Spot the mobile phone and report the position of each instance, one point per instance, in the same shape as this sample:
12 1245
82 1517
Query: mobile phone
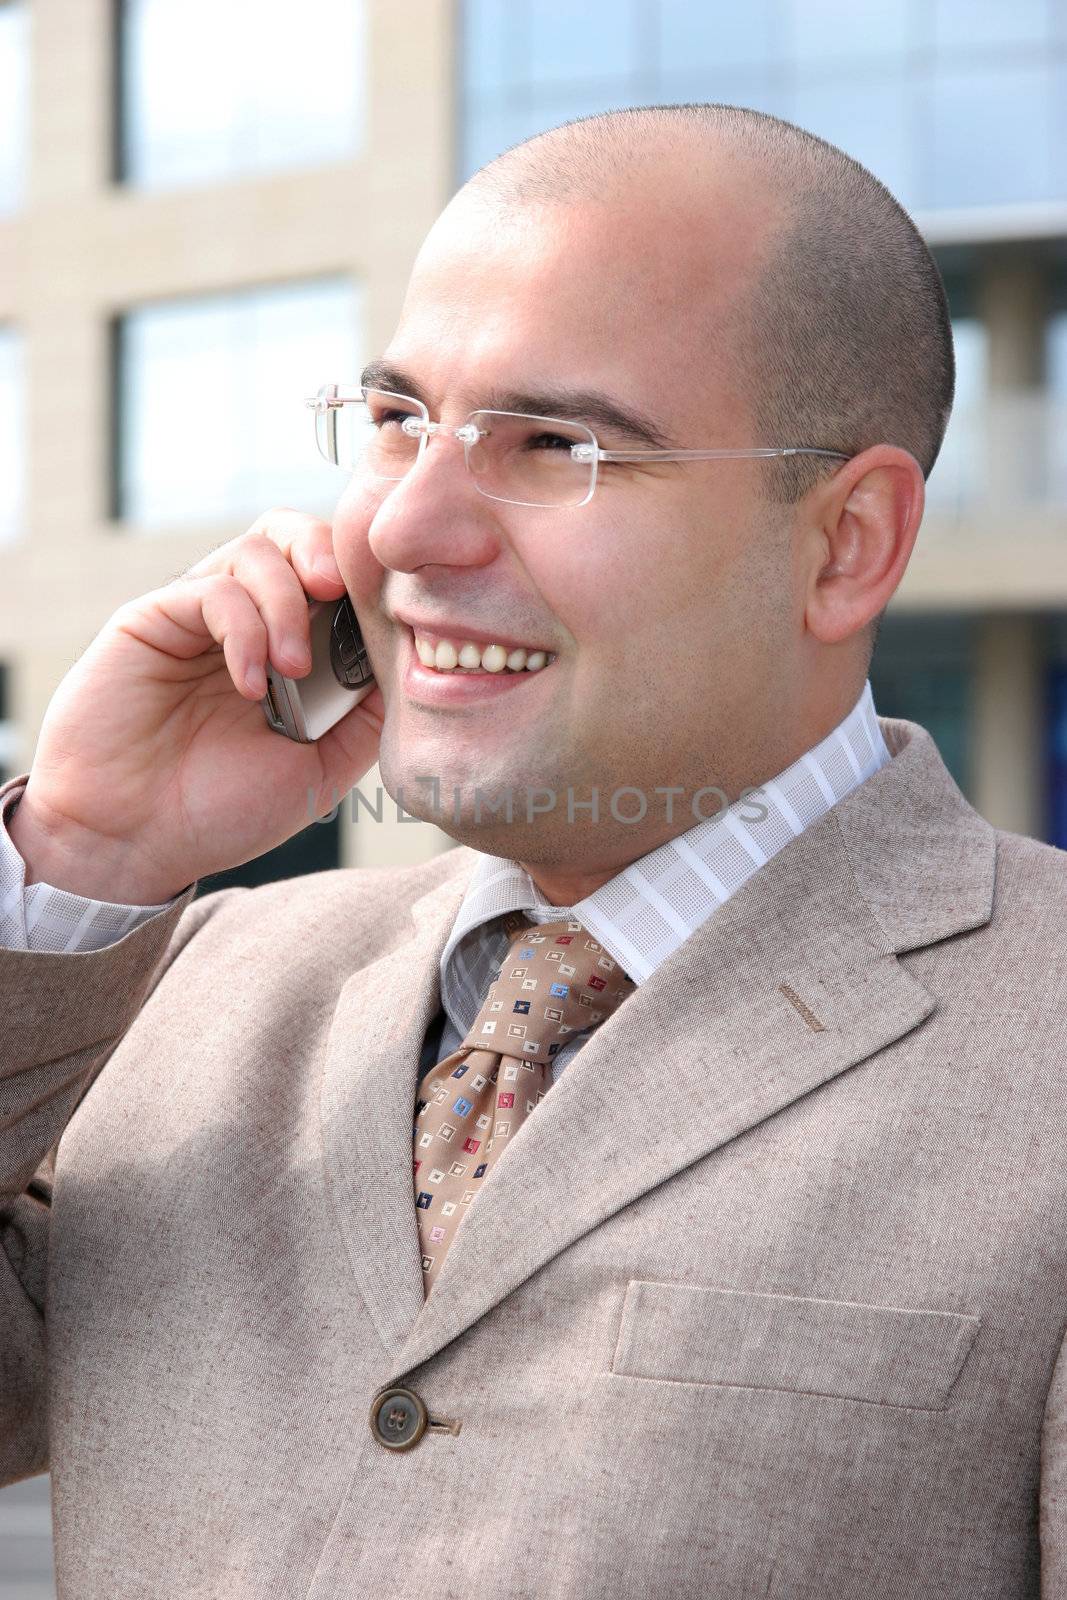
340 677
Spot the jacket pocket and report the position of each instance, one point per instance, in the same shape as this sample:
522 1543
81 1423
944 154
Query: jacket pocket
884 1355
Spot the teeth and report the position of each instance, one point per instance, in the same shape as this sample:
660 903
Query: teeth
470 657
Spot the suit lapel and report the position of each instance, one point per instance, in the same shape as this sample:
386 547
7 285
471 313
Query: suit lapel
792 982
368 1105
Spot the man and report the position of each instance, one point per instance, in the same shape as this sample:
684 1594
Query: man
753 1281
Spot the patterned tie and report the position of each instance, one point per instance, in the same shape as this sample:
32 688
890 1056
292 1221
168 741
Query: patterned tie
554 981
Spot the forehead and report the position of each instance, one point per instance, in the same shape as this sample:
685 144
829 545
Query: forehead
609 293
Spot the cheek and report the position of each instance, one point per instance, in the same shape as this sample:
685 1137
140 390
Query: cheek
624 580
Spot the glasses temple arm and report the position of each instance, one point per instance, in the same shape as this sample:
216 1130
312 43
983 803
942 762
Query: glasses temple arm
585 452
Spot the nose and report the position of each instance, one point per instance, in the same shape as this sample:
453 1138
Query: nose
435 516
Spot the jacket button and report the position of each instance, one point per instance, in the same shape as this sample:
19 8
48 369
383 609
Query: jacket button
398 1418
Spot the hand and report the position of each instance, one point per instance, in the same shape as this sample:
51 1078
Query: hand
155 764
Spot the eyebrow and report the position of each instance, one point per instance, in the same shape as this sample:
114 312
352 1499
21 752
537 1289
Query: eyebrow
573 405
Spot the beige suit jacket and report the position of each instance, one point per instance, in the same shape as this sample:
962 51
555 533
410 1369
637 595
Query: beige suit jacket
767 1299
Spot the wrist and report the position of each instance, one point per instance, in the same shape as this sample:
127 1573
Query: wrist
67 856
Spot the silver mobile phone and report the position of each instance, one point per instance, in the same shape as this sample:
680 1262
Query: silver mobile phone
340 676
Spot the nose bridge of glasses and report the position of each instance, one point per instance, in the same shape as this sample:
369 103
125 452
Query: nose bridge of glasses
421 427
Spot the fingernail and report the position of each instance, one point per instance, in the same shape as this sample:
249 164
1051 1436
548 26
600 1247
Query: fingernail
327 567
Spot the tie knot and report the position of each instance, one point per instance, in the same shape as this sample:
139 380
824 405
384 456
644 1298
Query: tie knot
555 981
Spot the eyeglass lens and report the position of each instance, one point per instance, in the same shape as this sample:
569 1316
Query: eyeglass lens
521 460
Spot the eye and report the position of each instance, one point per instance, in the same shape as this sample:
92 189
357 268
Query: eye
549 441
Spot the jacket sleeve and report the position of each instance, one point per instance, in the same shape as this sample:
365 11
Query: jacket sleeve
1053 1494
61 1018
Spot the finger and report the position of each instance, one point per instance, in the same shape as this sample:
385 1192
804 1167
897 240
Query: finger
304 540
304 545
316 566
272 581
234 620
186 619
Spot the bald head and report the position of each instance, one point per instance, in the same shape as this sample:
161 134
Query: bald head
840 336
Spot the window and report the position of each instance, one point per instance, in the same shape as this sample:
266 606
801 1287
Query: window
963 25
716 38
958 479
994 133
952 103
210 415
219 88
528 64
923 669
14 84
11 437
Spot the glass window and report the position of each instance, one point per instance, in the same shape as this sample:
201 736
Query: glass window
14 87
822 34
217 88
568 43
994 138
543 44
962 103
490 46
11 437
923 669
716 39
966 25
958 479
211 421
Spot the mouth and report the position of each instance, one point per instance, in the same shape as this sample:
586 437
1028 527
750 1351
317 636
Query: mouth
461 654
461 671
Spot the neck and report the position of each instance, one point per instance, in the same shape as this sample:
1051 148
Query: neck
562 883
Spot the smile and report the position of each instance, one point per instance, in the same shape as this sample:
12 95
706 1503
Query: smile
462 656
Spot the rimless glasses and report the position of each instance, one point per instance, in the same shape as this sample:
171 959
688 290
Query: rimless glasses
519 459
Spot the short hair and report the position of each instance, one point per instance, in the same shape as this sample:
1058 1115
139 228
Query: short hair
844 338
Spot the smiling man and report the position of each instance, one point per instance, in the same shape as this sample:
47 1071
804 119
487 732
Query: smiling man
662 1193
668 281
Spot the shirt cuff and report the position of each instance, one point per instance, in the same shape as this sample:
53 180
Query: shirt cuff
43 918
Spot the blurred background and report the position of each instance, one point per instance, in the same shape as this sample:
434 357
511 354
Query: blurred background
209 208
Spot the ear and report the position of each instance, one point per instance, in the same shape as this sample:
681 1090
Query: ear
861 529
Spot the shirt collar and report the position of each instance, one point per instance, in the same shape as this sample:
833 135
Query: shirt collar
651 907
